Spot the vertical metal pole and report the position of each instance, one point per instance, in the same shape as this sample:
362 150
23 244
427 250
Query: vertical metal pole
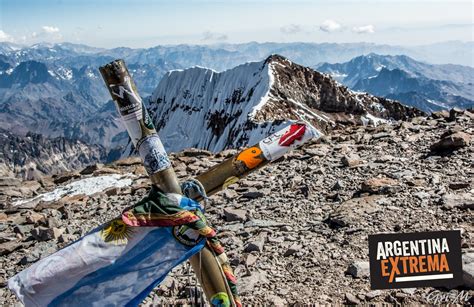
157 164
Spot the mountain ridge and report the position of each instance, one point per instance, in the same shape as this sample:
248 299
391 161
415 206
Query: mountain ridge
33 156
199 107
422 85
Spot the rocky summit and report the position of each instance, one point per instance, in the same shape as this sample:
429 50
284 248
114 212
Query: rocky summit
296 230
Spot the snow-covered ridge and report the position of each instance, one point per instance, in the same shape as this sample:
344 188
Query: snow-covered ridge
199 107
202 108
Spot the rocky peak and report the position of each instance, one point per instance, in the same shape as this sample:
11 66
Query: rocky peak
29 72
323 99
217 110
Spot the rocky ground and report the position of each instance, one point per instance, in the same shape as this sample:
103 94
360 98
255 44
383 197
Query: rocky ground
295 231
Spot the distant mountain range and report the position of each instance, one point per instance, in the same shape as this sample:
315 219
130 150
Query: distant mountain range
55 89
425 86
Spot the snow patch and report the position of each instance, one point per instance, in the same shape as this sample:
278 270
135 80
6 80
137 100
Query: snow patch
64 73
87 186
370 119
266 97
308 110
437 103
378 107
336 74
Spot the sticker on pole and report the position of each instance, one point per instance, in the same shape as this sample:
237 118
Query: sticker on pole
129 103
420 259
281 142
249 159
153 154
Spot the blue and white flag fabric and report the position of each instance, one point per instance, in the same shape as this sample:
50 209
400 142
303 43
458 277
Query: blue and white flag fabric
114 265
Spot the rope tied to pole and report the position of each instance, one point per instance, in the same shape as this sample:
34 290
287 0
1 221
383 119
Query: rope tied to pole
193 186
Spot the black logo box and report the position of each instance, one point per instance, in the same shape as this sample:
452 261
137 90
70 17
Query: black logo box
377 281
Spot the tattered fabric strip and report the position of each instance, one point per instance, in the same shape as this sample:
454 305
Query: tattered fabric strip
162 210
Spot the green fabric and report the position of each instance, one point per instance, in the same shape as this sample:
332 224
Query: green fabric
156 202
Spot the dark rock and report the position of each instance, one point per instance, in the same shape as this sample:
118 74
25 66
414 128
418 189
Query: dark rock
34 218
230 194
452 142
194 152
91 168
379 186
112 191
359 269
253 195
459 185
256 244
353 212
23 229
8 247
232 215
53 222
351 299
106 171
351 161
454 113
46 234
29 258
440 114
292 250
66 177
128 161
338 185
373 294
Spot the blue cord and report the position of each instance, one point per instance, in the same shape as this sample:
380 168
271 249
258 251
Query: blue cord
192 185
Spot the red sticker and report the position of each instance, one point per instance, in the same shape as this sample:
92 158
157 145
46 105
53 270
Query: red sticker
295 133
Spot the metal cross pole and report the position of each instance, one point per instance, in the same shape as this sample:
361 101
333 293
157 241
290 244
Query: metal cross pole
157 164
252 158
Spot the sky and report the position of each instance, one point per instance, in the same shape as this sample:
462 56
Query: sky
146 23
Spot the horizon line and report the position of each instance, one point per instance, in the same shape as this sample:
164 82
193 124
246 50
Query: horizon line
216 44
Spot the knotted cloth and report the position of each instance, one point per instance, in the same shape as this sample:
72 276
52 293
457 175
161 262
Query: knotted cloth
166 209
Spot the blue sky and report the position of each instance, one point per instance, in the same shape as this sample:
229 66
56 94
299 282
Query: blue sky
145 23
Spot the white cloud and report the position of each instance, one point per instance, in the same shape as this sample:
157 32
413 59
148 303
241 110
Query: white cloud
364 29
50 29
4 37
330 26
213 36
291 29
47 33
